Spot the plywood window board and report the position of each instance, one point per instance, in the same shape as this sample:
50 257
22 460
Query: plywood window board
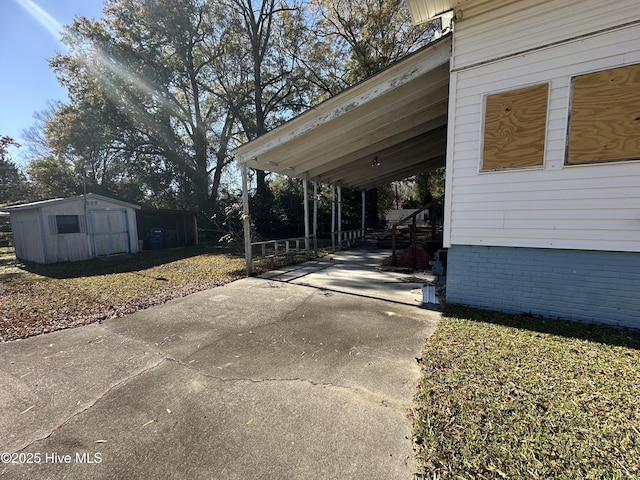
604 124
514 128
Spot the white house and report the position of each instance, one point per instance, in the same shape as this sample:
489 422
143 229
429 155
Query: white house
74 228
534 107
542 207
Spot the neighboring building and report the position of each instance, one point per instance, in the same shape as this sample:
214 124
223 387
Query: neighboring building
539 104
72 229
391 217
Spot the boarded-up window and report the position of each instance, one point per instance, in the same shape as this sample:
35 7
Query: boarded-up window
514 128
605 116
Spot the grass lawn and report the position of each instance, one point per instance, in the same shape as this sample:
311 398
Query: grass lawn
37 298
518 397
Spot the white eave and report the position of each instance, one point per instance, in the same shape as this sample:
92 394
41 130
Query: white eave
424 10
389 127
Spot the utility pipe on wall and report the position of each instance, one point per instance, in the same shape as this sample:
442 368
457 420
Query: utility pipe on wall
339 216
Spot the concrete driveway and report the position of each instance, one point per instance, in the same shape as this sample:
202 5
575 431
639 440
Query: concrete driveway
265 378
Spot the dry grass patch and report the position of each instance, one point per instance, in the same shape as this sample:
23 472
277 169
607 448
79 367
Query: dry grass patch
36 299
515 397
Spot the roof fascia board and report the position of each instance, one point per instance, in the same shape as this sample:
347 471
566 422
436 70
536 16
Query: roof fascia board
362 134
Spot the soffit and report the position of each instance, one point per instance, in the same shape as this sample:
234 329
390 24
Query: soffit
424 10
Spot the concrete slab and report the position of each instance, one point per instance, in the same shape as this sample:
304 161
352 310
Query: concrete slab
262 378
357 272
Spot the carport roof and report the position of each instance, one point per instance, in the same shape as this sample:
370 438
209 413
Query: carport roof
386 128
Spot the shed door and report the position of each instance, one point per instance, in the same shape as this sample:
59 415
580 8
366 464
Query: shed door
109 231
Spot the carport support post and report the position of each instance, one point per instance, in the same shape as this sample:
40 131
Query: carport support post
315 217
333 217
339 216
363 213
307 245
246 220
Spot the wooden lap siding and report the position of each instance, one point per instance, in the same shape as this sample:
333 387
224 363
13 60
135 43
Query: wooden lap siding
590 206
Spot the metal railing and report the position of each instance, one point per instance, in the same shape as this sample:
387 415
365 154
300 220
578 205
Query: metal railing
282 247
272 249
347 238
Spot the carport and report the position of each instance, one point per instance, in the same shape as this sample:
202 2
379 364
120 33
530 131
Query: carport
386 128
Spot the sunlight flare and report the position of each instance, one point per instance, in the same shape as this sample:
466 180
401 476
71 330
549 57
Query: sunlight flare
42 17
104 63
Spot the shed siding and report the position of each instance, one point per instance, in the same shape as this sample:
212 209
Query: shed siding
25 226
586 207
69 247
590 286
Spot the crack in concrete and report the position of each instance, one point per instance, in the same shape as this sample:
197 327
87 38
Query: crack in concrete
95 402
360 392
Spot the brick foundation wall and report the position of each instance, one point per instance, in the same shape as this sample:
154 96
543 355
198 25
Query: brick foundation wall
589 286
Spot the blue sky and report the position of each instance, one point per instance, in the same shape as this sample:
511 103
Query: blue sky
28 38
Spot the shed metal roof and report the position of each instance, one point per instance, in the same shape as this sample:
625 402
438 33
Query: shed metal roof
386 128
53 201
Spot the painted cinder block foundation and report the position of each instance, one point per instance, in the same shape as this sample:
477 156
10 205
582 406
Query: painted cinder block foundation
589 286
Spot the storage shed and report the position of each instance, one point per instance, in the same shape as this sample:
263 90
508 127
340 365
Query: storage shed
73 229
